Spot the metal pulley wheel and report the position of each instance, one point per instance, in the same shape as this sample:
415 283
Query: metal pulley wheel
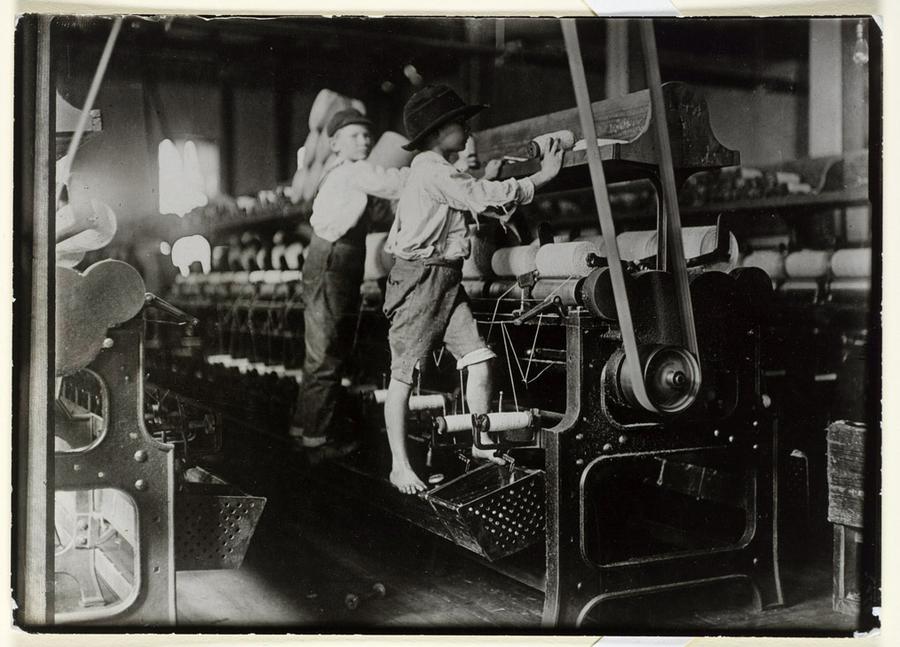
659 381
671 377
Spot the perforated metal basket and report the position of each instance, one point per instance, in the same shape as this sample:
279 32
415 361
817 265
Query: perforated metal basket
492 510
214 523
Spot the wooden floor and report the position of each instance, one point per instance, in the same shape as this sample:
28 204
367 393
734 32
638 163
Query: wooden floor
311 550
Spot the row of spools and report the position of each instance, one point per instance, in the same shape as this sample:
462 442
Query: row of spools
572 259
566 259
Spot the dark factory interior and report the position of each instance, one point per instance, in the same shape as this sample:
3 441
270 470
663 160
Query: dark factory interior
668 422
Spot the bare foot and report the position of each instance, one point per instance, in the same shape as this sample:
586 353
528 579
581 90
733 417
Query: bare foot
486 454
404 479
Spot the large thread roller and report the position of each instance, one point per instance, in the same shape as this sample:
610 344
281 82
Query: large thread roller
549 288
514 261
808 264
562 260
416 402
489 422
478 264
453 424
635 245
769 260
508 288
696 241
852 263
852 270
505 421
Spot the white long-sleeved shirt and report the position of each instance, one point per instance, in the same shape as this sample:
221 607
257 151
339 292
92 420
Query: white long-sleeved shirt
344 191
430 218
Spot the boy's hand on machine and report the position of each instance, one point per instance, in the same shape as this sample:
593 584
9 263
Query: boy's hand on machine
492 169
551 162
404 479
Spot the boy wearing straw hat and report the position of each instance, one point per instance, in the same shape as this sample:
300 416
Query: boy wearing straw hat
333 273
424 300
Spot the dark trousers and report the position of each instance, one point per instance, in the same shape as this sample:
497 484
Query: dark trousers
332 274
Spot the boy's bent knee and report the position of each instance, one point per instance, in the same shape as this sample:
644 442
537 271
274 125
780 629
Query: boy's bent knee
476 358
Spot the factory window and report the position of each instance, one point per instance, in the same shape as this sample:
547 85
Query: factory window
188 174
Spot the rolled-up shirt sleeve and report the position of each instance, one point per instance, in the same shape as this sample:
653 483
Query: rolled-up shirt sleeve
377 181
482 197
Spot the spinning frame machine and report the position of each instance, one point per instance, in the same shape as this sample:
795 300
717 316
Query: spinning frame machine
650 398
658 360
130 507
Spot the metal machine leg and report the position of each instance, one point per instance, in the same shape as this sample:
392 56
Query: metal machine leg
127 459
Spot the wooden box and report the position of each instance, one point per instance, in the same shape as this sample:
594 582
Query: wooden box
846 472
846 497
847 575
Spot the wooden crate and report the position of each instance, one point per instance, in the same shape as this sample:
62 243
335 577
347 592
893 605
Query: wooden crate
846 497
847 575
846 473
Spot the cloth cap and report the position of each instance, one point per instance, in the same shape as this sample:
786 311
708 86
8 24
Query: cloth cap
346 117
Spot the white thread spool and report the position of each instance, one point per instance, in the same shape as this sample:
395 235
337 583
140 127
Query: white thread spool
378 263
768 260
696 241
509 421
318 113
852 263
539 145
454 423
426 402
328 102
514 261
635 245
562 260
309 148
261 257
277 257
416 402
292 255
388 152
807 264
322 150
549 288
595 239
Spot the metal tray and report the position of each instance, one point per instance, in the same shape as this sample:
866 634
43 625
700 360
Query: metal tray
214 523
492 510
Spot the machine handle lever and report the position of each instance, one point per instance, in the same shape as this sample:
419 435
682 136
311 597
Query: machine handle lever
467 460
556 304
151 299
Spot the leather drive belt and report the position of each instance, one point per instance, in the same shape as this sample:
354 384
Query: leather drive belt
607 225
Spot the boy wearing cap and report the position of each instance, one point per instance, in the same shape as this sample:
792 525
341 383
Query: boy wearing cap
333 271
424 300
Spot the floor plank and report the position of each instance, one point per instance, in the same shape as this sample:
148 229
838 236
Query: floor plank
313 548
